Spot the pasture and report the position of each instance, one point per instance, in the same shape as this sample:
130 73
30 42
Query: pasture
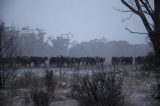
138 85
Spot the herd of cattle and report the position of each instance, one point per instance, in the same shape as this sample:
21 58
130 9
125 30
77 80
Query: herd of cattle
61 61
130 60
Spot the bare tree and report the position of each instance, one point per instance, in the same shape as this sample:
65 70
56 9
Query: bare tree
149 12
7 50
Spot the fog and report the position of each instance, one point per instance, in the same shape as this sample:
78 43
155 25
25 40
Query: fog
73 28
85 19
79 53
32 42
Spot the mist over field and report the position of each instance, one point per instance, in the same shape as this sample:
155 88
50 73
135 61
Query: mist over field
79 52
86 20
33 43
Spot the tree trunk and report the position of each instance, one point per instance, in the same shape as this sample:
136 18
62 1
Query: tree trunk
1 30
155 37
157 16
157 47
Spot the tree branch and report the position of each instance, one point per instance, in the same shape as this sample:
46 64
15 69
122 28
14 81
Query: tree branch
130 7
149 11
139 12
142 33
127 18
121 10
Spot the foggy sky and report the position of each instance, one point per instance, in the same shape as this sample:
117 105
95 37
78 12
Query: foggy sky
85 19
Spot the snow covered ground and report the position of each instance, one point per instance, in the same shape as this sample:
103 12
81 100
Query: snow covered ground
138 85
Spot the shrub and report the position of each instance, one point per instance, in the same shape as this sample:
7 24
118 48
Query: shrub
29 77
40 97
151 62
26 80
2 99
26 98
98 89
50 81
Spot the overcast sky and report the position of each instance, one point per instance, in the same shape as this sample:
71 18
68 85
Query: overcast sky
85 19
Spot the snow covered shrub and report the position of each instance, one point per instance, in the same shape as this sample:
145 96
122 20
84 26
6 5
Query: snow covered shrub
40 97
50 81
26 98
98 89
24 81
28 77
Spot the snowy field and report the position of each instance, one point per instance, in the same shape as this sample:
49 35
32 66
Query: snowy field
138 85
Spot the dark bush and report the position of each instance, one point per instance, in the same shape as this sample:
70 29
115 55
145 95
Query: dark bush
2 99
26 98
50 81
26 80
40 97
151 62
98 89
29 78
